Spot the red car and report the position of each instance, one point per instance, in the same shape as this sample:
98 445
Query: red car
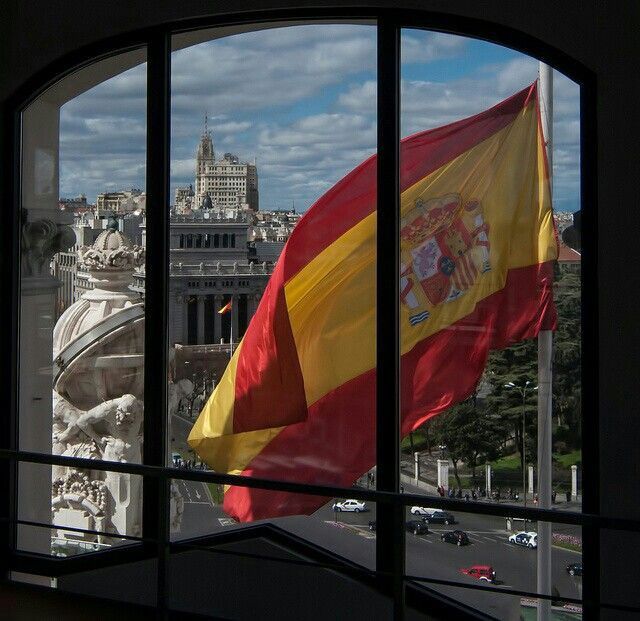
480 572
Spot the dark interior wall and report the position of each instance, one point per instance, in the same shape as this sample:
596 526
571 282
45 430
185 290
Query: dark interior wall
600 34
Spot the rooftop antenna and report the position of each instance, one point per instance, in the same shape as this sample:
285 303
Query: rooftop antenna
206 126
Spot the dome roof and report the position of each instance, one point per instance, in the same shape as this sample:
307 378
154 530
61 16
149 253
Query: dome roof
111 238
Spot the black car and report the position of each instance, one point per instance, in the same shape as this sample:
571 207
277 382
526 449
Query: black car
417 527
574 569
458 537
439 517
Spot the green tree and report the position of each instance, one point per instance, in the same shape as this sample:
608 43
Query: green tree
567 355
470 433
517 364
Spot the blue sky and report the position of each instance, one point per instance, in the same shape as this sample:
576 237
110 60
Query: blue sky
301 100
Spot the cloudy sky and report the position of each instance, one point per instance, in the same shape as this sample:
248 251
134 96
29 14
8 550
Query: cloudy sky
301 101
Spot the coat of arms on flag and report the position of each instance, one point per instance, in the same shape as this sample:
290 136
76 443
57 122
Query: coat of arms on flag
445 247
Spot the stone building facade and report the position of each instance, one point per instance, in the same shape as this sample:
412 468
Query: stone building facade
220 183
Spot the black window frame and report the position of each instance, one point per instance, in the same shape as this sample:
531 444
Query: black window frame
390 571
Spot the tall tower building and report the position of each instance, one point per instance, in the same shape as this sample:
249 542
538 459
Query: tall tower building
223 183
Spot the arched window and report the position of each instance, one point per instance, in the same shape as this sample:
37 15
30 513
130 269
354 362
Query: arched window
435 285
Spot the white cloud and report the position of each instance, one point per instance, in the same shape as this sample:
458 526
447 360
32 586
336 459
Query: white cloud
422 46
300 99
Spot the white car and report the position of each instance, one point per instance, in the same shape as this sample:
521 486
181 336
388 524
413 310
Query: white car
434 515
349 505
523 538
421 511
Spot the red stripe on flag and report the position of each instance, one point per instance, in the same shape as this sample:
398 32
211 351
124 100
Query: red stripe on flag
354 197
269 389
336 444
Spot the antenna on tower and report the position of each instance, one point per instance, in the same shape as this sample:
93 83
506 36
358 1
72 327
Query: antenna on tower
206 125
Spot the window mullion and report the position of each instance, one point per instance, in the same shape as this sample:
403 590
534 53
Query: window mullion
390 516
155 495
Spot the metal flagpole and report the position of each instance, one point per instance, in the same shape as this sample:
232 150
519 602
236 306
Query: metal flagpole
545 348
231 330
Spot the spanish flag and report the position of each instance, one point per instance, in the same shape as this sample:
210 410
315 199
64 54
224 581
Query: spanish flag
297 400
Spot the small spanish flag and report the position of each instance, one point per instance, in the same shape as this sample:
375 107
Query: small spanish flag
225 309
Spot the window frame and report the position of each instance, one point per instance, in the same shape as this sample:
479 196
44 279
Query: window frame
390 531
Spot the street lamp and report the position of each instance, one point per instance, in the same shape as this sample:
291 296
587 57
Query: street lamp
523 391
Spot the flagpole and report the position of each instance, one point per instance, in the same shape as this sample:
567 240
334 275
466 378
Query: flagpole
231 332
545 376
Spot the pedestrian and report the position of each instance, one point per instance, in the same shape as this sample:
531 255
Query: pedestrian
553 496
466 497
568 496
402 489
535 499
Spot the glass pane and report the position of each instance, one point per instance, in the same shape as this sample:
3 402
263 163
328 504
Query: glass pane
344 526
272 285
493 550
80 500
483 275
282 550
81 323
500 605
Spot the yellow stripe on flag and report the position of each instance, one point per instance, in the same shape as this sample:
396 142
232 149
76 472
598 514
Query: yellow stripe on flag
331 301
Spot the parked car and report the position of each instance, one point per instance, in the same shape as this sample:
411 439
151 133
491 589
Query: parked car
480 572
434 516
417 527
574 569
524 538
349 505
458 537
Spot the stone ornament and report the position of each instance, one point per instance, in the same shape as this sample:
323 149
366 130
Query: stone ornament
112 251
77 486
40 241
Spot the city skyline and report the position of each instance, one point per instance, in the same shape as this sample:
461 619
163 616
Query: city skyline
319 121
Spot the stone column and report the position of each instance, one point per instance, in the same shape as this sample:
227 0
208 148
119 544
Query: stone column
37 304
217 321
201 319
235 303
574 482
443 473
252 305
530 478
185 318
176 319
487 477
